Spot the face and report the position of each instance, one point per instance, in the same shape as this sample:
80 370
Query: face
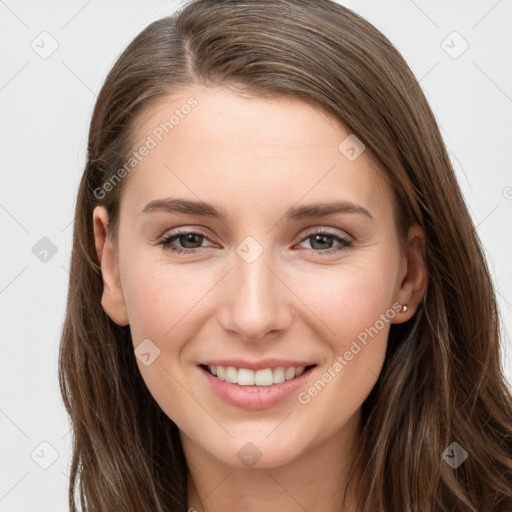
225 258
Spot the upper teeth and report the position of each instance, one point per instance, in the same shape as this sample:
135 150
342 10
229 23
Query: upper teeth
246 377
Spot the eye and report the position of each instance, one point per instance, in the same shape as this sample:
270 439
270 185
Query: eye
190 241
321 242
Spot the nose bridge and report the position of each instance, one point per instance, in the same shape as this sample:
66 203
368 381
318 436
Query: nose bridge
257 301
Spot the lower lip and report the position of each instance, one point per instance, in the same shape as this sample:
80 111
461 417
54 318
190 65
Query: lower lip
255 397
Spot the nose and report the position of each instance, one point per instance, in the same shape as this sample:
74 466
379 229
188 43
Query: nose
257 299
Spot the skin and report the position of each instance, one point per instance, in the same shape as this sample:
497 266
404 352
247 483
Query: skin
255 159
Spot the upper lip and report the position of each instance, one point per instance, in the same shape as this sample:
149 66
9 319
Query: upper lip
258 365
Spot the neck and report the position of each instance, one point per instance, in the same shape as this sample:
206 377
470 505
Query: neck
314 481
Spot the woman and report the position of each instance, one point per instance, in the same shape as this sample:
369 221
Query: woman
278 299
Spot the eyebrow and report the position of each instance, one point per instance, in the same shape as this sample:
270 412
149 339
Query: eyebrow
188 207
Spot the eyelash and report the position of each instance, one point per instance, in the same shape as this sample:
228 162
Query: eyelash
167 241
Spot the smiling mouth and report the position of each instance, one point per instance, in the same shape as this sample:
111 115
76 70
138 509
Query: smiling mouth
264 377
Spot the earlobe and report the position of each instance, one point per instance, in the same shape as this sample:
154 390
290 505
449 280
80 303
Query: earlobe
414 283
112 299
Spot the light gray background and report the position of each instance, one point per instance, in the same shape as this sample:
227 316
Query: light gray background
46 105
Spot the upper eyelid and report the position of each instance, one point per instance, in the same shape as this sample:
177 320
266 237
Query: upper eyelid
308 232
181 232
327 231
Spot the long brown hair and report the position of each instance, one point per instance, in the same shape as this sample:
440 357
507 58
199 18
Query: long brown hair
441 382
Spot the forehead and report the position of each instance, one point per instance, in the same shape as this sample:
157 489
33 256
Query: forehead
212 141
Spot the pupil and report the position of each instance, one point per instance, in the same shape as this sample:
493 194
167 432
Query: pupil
317 239
323 240
190 239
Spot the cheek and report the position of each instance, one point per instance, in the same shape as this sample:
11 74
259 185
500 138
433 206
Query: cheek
354 305
350 297
161 299
165 303
363 298
339 307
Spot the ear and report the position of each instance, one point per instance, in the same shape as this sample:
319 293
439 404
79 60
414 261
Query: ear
413 274
112 298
